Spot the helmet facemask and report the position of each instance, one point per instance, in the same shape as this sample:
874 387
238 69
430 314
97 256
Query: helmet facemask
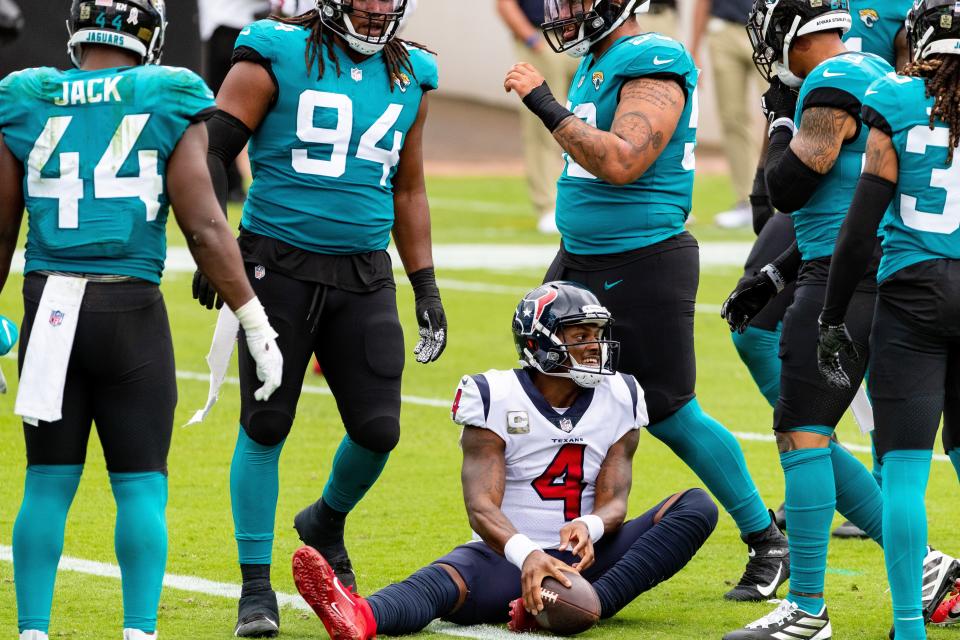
574 26
380 27
773 25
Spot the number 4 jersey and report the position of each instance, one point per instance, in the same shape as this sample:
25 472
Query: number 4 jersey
95 147
924 220
552 457
325 155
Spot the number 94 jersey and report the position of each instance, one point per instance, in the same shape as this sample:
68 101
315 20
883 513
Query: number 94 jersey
552 457
324 157
596 217
95 147
924 221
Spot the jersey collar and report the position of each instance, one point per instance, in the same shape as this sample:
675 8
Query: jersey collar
571 415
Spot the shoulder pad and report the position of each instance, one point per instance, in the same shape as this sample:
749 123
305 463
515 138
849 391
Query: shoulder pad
653 53
471 403
425 68
182 91
266 38
894 103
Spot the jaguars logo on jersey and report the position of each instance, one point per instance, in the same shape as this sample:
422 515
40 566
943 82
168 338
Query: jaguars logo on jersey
869 17
597 80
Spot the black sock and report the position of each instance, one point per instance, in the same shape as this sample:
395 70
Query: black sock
256 578
409 606
659 553
323 525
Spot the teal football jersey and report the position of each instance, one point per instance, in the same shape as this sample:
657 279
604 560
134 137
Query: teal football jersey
325 155
844 78
596 217
924 220
95 147
876 24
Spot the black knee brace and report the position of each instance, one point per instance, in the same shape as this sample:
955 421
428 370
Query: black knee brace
381 434
268 427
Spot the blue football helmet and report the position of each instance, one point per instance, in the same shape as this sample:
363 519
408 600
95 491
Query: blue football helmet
538 322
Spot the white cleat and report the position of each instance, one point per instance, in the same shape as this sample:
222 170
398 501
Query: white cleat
136 634
786 622
33 634
548 223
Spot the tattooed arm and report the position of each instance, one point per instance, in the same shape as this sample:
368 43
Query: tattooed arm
646 119
822 133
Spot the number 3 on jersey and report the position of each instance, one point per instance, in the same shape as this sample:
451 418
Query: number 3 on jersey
563 479
340 137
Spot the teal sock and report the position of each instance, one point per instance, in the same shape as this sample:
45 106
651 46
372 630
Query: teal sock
905 475
858 495
355 470
140 540
254 488
810 503
760 351
955 459
48 491
716 457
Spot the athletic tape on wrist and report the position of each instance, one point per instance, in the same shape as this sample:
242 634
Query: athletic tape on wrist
782 122
775 276
252 316
517 549
594 526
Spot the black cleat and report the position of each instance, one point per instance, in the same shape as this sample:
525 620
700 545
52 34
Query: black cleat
786 622
850 530
258 615
767 568
327 538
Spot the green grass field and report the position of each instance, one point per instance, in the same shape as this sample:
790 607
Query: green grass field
415 513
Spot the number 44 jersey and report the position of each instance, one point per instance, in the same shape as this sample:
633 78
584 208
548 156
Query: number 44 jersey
553 457
924 221
325 155
95 147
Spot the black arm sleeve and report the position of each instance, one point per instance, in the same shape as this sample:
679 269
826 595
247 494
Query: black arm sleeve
788 263
855 244
760 201
790 181
228 135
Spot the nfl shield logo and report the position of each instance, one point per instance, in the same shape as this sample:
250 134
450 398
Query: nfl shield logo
566 425
56 318
259 272
356 74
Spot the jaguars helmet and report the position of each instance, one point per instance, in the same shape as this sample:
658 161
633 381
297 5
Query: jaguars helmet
11 21
574 26
933 26
134 25
774 24
381 27
537 325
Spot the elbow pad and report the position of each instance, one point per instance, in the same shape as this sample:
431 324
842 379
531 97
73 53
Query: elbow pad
791 182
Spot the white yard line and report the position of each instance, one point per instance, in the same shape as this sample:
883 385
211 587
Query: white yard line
487 257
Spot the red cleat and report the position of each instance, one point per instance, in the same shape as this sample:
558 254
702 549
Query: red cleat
317 369
520 619
948 612
345 615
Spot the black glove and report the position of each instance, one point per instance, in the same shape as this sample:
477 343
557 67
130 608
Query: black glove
833 340
750 297
204 292
430 316
780 101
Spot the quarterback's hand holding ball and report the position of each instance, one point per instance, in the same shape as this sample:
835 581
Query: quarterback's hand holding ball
537 566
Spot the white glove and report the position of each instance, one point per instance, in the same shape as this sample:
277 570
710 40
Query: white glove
262 342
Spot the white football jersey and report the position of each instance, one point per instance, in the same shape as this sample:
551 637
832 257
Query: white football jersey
552 457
